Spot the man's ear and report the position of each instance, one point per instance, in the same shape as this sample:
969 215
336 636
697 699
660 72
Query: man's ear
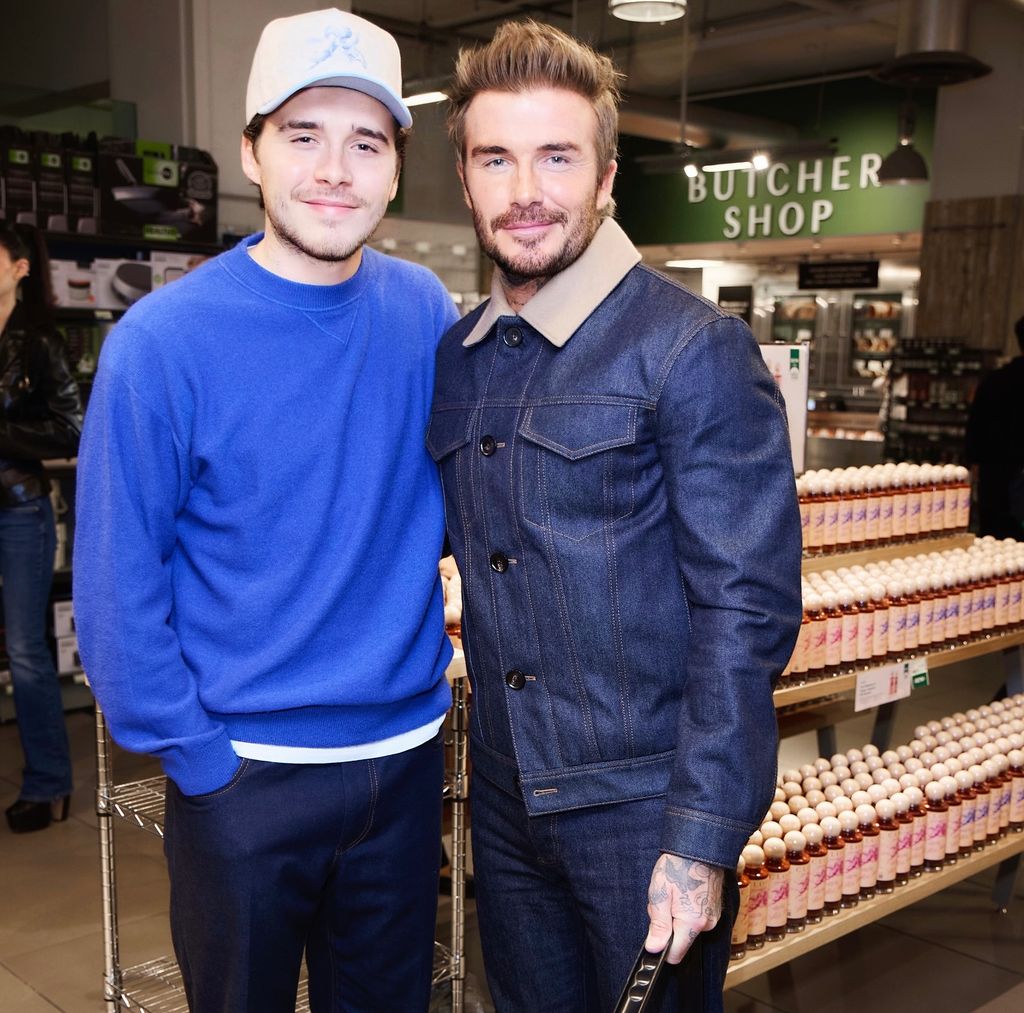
604 187
250 165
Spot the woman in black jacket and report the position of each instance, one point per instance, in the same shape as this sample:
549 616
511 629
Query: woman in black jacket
40 417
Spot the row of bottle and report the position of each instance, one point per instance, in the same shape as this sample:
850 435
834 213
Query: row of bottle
863 616
809 862
843 509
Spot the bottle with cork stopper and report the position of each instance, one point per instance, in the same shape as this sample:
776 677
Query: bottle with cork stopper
833 632
888 845
897 619
968 804
836 847
935 827
1016 758
865 813
917 845
983 799
799 880
817 853
777 867
817 636
851 626
954 815
757 895
741 926
853 849
904 841
880 638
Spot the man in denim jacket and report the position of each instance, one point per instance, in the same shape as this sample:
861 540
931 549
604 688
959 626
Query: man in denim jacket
622 508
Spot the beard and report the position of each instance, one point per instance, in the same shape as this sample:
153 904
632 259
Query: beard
529 263
336 245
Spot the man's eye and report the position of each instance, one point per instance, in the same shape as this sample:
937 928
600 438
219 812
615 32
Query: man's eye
303 139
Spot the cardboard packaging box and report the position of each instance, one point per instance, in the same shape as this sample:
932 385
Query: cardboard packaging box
168 266
73 284
17 179
153 190
117 284
63 619
68 659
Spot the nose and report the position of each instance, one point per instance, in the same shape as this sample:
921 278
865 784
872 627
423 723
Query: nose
332 168
526 186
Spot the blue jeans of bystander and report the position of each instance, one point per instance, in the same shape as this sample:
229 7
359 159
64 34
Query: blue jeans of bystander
26 564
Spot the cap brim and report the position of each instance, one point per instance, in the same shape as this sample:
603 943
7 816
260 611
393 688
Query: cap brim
367 85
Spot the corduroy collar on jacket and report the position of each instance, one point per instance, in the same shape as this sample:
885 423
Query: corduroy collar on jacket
567 300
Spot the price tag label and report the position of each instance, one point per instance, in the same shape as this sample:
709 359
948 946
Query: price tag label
884 684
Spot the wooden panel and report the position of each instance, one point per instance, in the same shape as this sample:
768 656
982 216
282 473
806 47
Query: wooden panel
972 270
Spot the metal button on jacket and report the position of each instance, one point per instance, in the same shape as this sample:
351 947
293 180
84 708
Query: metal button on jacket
513 337
499 562
488 445
515 679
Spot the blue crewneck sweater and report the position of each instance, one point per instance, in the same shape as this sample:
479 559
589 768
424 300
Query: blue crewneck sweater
259 522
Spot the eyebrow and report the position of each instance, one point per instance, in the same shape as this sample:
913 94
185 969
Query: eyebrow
369 132
497 149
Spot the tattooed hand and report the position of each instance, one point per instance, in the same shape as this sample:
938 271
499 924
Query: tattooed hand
685 897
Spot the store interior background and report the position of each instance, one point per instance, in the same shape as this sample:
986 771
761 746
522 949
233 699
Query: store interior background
951 267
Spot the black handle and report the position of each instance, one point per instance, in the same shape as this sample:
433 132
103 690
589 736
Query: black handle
636 996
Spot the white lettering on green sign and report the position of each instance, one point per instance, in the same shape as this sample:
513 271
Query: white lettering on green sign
779 180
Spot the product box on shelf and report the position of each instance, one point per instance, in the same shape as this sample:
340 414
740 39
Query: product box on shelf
117 284
68 660
17 180
48 170
72 284
80 184
154 190
169 266
63 618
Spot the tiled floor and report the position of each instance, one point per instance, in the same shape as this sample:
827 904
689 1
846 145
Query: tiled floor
951 952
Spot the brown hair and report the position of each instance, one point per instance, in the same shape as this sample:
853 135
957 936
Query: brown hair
525 55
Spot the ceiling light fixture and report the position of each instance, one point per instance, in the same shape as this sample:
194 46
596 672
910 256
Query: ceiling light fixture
693 264
904 165
425 98
648 11
726 166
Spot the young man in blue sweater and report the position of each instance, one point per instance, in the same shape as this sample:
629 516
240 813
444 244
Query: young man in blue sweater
256 583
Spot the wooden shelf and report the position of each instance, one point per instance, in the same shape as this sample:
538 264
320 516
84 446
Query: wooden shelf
892 550
867 911
846 683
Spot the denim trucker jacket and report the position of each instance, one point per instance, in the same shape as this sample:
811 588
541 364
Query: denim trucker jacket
621 505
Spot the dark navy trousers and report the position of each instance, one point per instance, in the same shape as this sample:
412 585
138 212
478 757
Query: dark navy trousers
337 862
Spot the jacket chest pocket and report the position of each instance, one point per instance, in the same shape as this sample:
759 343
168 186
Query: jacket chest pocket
448 435
578 464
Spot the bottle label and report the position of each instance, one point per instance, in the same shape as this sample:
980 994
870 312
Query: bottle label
981 816
1004 809
881 635
994 805
869 861
799 884
1002 604
899 517
918 843
757 906
967 810
905 837
741 926
935 843
819 635
831 522
778 899
1017 806
885 518
834 643
851 868
966 608
953 829
887 849
819 875
816 526
851 628
865 635
927 621
834 876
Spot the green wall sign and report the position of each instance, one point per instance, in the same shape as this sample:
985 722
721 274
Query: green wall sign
805 197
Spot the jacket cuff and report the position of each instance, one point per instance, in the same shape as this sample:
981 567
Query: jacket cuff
703 837
203 767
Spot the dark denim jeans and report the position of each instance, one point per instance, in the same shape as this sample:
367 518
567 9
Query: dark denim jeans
26 564
562 906
339 861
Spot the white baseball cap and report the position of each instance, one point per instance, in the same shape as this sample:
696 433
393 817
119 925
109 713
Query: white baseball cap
332 48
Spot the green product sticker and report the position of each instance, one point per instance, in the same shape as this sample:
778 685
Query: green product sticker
159 172
919 680
81 164
18 156
49 160
161 232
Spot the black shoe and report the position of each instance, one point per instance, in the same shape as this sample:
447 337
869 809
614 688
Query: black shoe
25 817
